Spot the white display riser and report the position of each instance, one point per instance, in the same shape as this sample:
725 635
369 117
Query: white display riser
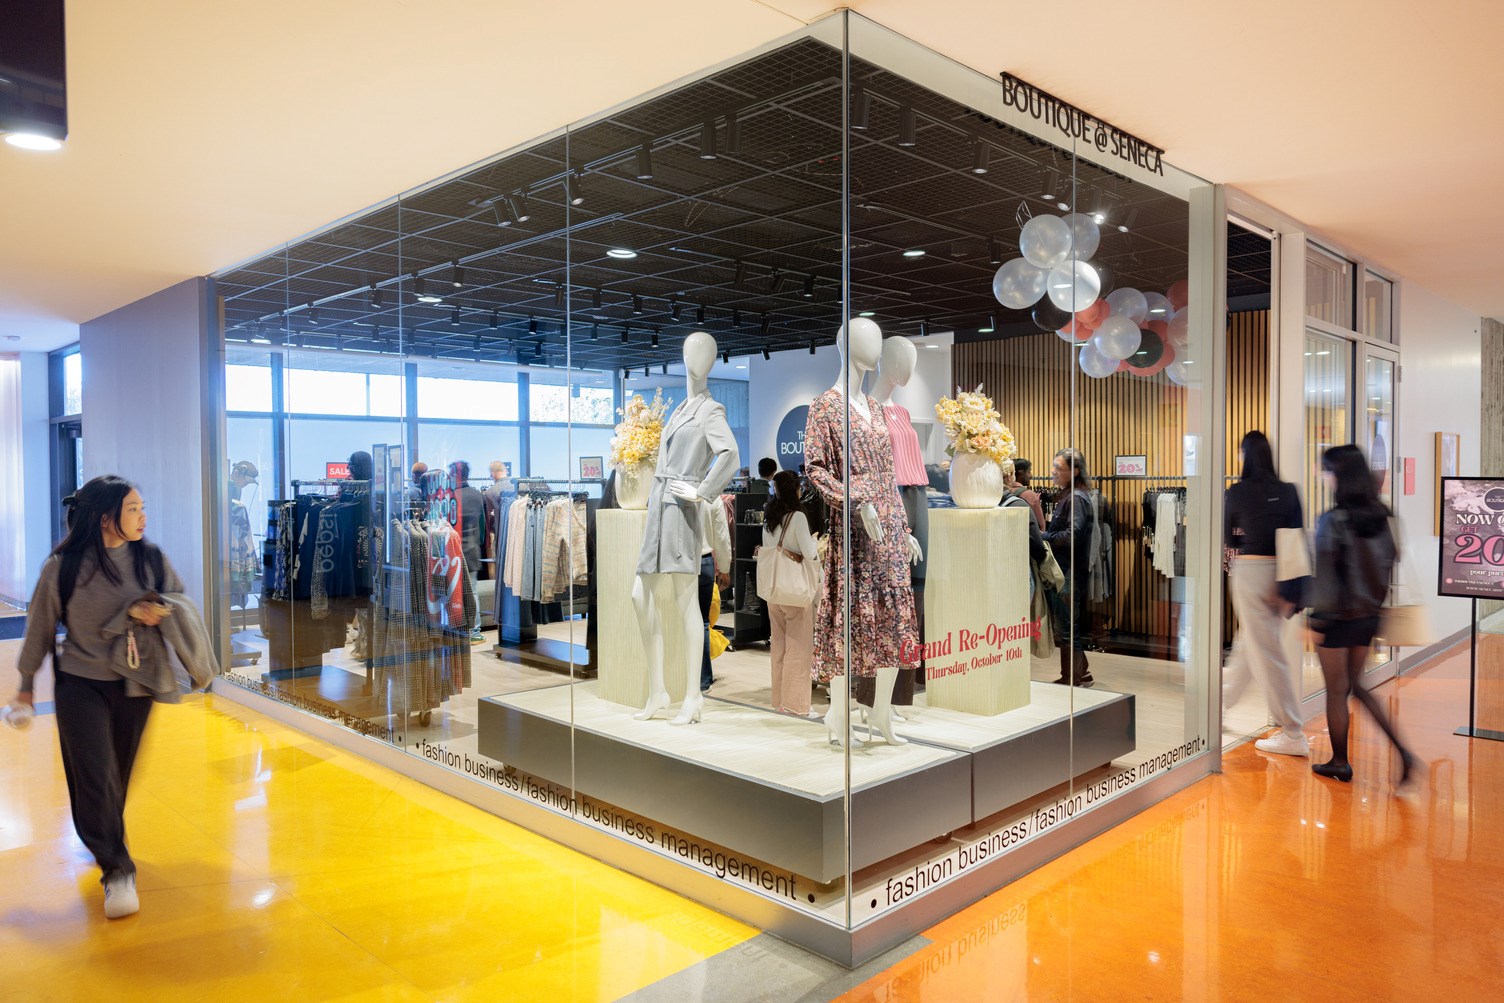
622 672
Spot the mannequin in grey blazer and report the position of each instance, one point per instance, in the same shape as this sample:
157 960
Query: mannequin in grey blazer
698 448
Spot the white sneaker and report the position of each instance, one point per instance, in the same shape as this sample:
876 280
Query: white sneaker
1283 744
120 897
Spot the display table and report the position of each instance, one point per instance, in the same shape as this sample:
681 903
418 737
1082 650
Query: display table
623 672
976 591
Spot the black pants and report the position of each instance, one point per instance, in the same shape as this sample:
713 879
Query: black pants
99 729
707 586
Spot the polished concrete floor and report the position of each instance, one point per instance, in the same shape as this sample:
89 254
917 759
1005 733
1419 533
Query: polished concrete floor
275 867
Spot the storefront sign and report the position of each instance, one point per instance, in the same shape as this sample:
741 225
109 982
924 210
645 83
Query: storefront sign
337 471
1472 537
1077 125
791 438
1131 466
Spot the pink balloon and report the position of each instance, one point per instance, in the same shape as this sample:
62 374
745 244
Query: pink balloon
1124 367
1164 360
1096 313
1160 328
1179 294
1075 329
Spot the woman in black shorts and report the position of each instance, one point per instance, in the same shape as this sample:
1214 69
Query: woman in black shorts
1355 554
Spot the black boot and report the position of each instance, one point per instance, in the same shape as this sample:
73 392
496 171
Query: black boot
1081 674
1065 666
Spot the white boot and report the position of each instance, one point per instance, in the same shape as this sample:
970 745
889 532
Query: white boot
881 715
838 718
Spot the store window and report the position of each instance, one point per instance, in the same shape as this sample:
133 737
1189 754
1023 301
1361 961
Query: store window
1329 287
518 522
1378 307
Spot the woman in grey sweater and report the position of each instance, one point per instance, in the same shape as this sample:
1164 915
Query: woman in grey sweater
103 567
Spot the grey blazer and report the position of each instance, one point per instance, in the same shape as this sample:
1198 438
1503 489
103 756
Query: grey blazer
698 447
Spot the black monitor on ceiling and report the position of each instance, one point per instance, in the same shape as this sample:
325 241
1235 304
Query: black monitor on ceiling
33 68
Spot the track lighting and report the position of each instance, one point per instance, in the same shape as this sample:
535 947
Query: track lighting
518 204
733 134
861 107
376 297
1127 223
626 333
741 276
1051 185
313 316
574 188
809 286
644 162
700 314
538 350
767 356
908 127
981 154
766 324
736 317
532 325
664 369
495 319
989 326
458 281
655 339
924 329
812 346
595 298
726 358
775 280
420 286
559 296
707 140
646 372
595 331
454 317
994 252
673 308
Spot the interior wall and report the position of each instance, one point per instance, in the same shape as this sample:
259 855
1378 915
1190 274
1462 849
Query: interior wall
12 510
147 396
36 456
1491 459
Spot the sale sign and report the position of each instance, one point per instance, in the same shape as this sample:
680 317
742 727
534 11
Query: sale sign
1472 537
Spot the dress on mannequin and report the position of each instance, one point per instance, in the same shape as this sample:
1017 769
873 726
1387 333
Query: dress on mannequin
882 597
697 447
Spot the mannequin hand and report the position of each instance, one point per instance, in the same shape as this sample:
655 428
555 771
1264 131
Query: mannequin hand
871 522
683 490
916 552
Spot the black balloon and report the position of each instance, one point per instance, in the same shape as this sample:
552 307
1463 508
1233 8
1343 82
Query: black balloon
1104 273
1049 317
1150 350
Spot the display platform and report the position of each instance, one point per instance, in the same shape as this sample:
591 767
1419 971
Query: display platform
1021 753
763 784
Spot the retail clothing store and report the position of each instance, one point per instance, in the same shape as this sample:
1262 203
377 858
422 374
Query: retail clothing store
490 507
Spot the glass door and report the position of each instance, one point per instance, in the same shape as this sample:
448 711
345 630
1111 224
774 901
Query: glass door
1379 442
1328 396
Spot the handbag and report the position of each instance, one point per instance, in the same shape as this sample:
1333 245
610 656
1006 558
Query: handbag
1042 645
719 642
786 578
1403 622
1292 566
1050 571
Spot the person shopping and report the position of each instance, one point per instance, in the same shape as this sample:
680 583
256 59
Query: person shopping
1069 536
1258 506
792 639
1355 555
107 585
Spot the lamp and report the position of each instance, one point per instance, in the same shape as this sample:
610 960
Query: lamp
908 127
707 140
644 162
981 155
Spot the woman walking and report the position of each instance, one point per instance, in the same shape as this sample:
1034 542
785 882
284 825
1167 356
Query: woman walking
1258 506
1069 536
106 585
1355 555
785 524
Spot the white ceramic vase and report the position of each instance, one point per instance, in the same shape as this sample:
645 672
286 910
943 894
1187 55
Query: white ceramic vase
976 481
633 484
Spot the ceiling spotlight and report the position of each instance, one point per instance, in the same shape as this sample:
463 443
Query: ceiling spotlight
574 188
733 134
595 298
664 369
700 314
376 297
907 127
766 324
622 253
736 317
867 313
861 107
981 155
707 140
1063 206
989 326
626 333
1051 183
33 141
532 325
646 372
741 276
809 286
636 304
644 162
655 337
454 317
595 331
994 252
538 350
674 309
518 204
559 296
775 280
376 329
475 347
424 296
924 329
812 346
767 356
495 319
313 316
1127 224
459 276
726 359
913 253
1099 218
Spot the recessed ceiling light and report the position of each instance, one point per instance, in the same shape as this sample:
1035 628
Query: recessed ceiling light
867 313
621 252
741 365
1099 218
914 253
33 141
932 348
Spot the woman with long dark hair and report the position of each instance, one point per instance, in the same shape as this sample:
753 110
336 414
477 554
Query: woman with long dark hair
792 642
102 575
1258 506
1355 555
1069 536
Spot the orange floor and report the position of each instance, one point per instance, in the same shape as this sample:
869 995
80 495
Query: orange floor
1265 883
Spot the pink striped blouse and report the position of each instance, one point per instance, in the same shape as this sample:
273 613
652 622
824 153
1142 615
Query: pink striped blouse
908 464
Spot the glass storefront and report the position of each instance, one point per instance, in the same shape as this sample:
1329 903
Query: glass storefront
494 491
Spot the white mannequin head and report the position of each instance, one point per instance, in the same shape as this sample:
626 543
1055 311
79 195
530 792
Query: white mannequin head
866 344
699 355
899 358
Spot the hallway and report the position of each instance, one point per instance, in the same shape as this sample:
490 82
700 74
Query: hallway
274 866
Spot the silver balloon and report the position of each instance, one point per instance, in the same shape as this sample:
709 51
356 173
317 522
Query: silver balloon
1117 338
1018 285
1129 302
1073 286
1095 364
1045 241
1176 372
1179 327
1086 236
1159 307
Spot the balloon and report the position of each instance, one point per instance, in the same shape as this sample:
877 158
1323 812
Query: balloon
1086 236
1123 366
1164 360
1179 294
1048 317
1106 277
1179 328
1159 307
1095 314
1117 338
1075 332
1073 285
1176 372
1129 302
1095 364
1150 352
1045 241
1018 285
1159 327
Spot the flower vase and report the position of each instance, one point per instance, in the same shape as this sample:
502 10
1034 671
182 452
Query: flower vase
976 481
633 482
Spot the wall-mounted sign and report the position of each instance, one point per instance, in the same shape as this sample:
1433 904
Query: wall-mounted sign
790 442
1075 124
1130 466
337 471
1472 538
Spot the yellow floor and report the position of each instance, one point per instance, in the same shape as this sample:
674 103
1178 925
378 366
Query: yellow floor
274 867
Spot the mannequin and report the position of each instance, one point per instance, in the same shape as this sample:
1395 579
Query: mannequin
882 601
696 458
899 359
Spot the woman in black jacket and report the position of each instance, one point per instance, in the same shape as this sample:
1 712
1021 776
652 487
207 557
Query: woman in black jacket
1355 555
1069 536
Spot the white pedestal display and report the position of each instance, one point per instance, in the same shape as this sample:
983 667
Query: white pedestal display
976 610
623 671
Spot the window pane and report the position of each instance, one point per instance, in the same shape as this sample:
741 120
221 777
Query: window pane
248 388
440 397
386 394
1378 307
1328 287
73 384
312 391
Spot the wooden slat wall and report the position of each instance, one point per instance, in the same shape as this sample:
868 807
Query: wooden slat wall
1030 380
